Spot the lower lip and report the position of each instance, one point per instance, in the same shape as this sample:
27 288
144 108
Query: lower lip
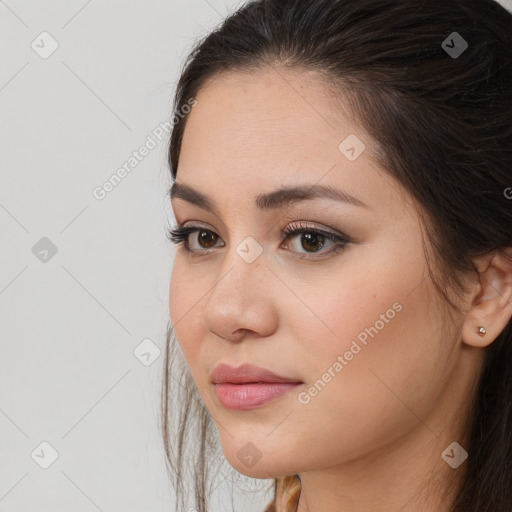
252 395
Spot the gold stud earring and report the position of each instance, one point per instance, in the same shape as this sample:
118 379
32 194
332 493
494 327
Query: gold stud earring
481 331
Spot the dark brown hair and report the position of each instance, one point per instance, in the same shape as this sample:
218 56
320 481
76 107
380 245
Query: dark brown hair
443 126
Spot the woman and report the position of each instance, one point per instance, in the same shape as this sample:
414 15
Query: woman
342 188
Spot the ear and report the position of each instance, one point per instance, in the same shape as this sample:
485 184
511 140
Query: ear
491 305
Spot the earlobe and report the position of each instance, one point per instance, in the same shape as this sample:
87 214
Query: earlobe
491 308
481 331
477 335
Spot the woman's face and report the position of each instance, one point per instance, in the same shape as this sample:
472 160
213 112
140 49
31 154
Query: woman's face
359 328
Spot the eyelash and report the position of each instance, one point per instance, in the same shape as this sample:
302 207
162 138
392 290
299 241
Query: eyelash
179 234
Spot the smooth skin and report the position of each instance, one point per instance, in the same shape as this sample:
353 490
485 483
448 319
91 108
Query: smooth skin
372 438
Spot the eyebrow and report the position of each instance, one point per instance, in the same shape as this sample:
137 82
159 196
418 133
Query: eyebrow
271 200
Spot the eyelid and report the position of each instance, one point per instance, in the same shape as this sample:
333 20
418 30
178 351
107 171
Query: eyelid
290 227
180 234
298 225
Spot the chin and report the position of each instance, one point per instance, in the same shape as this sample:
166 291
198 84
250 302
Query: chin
254 462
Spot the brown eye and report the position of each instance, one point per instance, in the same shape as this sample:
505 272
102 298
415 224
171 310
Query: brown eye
310 241
207 239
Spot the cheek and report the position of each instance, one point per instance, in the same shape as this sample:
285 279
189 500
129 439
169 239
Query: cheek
350 310
184 309
383 360
375 305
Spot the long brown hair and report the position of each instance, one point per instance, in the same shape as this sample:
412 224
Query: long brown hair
443 125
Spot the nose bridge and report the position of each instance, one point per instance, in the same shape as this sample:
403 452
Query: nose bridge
240 275
239 298
243 261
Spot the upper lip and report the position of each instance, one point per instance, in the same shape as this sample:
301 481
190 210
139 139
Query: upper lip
245 373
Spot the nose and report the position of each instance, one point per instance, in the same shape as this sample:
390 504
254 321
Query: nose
241 301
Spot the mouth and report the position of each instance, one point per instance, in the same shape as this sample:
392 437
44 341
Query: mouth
248 386
250 395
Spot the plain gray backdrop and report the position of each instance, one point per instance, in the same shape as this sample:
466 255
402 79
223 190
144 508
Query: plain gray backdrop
85 269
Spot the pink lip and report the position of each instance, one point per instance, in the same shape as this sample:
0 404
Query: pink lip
249 396
245 373
248 386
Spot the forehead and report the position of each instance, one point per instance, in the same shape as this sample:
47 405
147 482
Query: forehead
250 133
274 107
